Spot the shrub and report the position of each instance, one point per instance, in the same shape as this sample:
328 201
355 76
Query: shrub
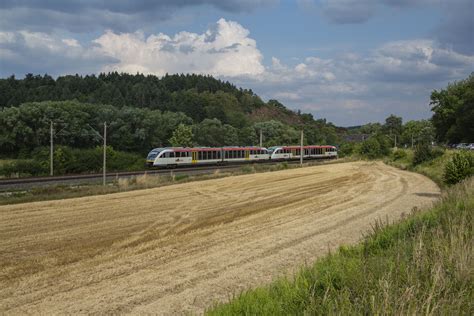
422 153
460 167
374 147
346 149
399 154
437 152
71 160
24 167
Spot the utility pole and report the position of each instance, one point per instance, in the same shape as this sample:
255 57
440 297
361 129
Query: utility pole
51 133
395 140
301 149
261 138
104 176
104 138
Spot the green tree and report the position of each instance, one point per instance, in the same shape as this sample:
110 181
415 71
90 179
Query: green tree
182 136
393 125
453 111
415 132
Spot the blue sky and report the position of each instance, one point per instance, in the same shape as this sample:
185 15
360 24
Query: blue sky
349 61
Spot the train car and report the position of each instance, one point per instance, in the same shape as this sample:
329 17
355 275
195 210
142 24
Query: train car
178 156
245 154
293 152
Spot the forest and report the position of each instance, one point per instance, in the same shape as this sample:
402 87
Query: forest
142 112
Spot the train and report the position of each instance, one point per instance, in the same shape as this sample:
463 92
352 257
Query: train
171 157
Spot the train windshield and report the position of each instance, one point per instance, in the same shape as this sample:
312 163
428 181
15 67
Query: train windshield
271 150
155 152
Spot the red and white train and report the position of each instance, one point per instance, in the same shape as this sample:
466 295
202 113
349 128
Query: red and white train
178 156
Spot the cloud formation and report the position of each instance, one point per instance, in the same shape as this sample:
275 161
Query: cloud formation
455 30
224 50
25 52
92 15
396 77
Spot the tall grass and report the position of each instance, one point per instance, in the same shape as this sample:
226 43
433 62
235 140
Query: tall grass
423 265
433 169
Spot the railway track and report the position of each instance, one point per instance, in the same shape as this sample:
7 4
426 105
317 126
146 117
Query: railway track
31 182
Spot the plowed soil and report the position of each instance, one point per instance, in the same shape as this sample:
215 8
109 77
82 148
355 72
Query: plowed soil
179 248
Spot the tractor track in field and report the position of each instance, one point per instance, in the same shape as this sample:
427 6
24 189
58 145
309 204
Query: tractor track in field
180 248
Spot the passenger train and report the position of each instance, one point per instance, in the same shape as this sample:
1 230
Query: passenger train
171 157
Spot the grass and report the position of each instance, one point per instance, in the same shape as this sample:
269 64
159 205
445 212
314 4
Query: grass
433 169
422 265
59 192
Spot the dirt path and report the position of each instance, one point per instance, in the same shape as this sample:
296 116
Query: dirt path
180 248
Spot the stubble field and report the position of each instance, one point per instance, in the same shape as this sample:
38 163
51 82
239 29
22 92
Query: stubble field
180 248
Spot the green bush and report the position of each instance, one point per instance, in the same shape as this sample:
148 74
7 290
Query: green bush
437 152
399 154
421 154
375 147
72 161
346 149
460 167
24 167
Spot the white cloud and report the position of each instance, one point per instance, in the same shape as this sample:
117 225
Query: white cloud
226 50
350 88
396 77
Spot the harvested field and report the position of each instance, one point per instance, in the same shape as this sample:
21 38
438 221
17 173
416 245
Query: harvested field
178 248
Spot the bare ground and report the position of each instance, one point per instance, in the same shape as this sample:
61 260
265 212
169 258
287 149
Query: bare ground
180 248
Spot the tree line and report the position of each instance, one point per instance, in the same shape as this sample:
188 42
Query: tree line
132 129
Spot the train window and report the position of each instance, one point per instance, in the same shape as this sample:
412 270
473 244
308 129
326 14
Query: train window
242 154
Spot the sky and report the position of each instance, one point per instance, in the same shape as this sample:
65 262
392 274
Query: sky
349 61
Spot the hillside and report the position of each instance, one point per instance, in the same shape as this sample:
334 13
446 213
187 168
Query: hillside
143 111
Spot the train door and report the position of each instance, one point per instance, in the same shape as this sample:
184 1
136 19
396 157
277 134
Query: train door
195 154
247 155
